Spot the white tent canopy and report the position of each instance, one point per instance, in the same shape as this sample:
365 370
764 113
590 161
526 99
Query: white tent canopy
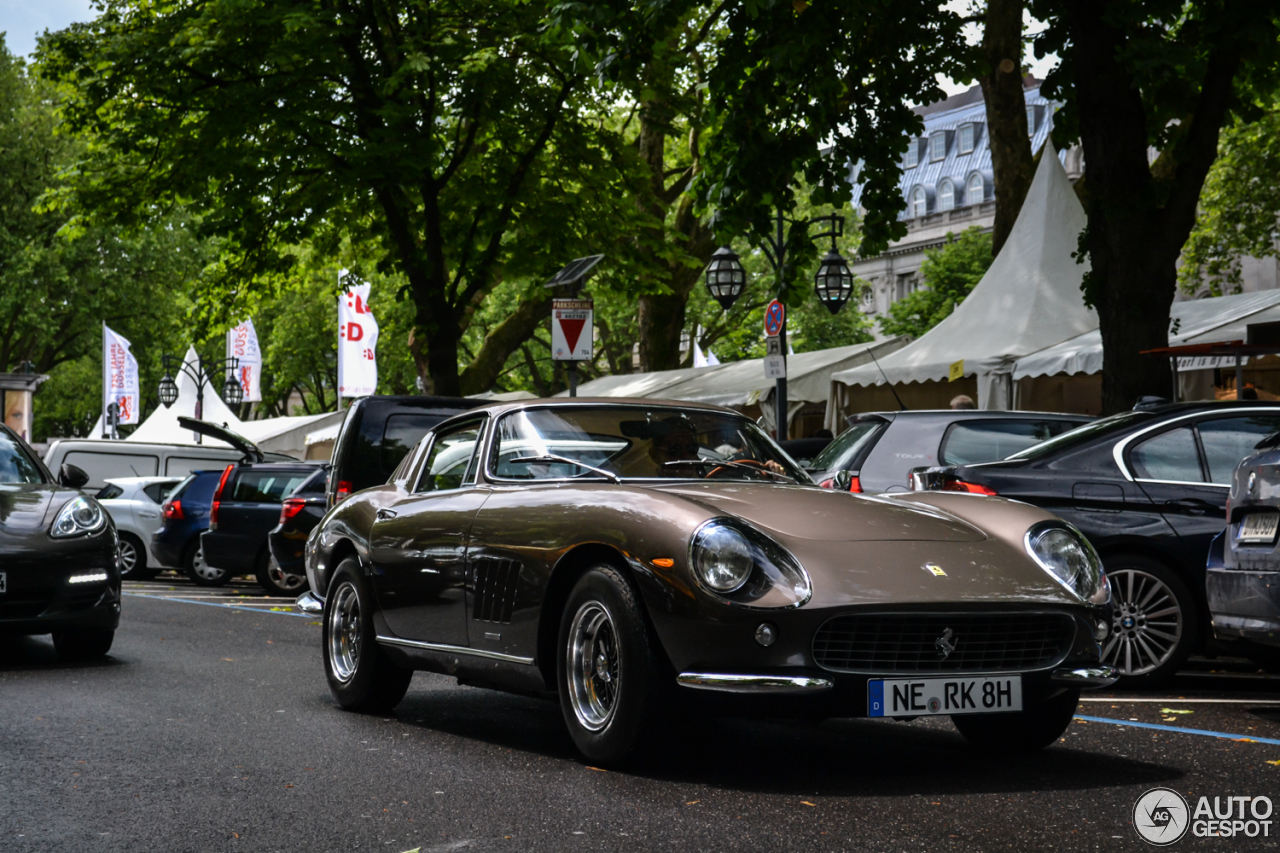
1028 299
288 434
1199 321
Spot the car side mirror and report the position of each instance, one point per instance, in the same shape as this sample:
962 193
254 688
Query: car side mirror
843 481
72 476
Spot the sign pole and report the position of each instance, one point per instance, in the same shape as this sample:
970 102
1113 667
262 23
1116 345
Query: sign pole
780 389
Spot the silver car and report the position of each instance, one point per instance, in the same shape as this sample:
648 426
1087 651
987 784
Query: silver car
134 506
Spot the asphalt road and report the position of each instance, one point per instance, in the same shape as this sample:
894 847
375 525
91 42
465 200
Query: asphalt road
211 728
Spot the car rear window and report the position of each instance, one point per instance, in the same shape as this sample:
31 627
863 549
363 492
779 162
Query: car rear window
843 453
1082 435
265 486
401 433
987 440
1226 441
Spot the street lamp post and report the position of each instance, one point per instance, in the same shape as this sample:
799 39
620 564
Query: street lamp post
833 283
232 393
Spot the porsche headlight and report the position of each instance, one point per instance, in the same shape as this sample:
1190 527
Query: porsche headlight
79 515
1064 553
721 557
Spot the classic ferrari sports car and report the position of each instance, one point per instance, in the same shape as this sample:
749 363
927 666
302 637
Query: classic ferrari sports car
622 556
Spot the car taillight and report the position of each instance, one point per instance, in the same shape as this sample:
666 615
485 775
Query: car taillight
172 510
217 499
970 488
343 491
290 508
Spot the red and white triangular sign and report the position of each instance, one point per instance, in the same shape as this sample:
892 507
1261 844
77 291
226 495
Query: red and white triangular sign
571 329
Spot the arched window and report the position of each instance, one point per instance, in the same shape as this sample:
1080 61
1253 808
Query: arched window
919 202
976 191
946 196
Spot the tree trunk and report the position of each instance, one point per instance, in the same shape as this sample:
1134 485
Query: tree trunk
661 320
1011 156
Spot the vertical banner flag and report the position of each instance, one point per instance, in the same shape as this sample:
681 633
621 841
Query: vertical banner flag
120 377
242 344
357 344
571 329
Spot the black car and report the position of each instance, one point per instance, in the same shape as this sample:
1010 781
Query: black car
299 514
879 449
1243 575
186 516
1149 489
378 432
59 555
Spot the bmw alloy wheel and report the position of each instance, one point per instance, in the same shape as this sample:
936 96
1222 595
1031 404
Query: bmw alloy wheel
593 666
343 632
1147 622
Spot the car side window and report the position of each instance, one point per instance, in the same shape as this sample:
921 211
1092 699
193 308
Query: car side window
266 486
449 458
157 491
984 440
1226 441
1171 455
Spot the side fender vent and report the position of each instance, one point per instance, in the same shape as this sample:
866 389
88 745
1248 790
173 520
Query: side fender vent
495 590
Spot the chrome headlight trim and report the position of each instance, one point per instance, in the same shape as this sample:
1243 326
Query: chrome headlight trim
1088 583
721 558
78 517
774 569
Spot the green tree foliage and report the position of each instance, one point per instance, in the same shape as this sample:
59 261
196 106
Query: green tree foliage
1239 207
949 274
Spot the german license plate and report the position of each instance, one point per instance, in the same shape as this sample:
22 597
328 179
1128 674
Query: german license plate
4 583
922 697
1259 527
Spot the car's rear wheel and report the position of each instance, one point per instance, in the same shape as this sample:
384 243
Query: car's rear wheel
276 580
1034 727
1154 625
133 559
361 676
609 670
200 571
83 643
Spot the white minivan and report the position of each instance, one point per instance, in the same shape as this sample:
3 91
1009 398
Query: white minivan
102 459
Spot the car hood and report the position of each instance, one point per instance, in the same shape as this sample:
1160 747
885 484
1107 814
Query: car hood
25 507
803 512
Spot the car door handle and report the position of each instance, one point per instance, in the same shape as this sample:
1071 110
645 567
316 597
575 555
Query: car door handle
149 514
384 514
1193 505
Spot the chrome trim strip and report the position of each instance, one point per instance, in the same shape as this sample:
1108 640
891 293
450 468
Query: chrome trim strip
310 603
753 683
1088 677
1117 451
454 650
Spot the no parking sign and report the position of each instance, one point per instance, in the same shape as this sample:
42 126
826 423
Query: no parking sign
774 316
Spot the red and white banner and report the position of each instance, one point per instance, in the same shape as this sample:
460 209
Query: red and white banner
357 344
120 377
242 344
571 329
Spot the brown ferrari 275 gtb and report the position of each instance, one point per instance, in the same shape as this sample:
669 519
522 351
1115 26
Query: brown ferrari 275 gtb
624 555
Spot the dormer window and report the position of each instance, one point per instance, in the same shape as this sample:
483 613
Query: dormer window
946 196
913 154
938 146
919 202
976 191
965 142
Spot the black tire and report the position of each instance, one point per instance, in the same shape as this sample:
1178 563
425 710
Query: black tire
1034 727
133 559
1155 621
361 676
275 580
198 570
608 713
83 643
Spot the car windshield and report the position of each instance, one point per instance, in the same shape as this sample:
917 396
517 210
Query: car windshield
15 465
842 453
1080 435
635 442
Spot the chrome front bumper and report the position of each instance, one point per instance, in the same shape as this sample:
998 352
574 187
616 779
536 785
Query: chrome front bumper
753 683
310 603
1086 677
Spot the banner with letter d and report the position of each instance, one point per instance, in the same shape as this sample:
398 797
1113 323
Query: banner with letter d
357 344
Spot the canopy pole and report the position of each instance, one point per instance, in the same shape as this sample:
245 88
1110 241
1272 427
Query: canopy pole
1239 378
1173 367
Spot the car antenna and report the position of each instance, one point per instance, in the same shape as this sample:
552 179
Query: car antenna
894 391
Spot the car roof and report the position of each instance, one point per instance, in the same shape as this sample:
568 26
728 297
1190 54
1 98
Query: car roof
968 413
502 407
140 481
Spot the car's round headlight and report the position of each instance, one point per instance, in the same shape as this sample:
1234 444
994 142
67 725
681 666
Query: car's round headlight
722 558
1064 553
78 515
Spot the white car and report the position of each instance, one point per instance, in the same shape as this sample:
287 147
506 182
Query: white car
134 506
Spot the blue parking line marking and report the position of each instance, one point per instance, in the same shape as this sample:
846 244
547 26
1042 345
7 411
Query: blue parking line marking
1201 732
223 606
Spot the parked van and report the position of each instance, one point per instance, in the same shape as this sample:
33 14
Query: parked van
103 460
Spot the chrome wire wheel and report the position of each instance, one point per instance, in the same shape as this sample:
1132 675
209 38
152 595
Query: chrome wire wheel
593 669
283 580
128 556
1147 622
342 632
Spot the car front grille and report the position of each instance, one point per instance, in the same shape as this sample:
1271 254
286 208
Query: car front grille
916 642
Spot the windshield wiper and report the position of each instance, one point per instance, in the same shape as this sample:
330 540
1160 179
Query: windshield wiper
732 463
551 457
